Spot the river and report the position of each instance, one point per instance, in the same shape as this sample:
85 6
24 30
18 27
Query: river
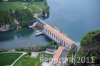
73 17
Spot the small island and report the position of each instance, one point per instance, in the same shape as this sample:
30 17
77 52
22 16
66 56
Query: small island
20 13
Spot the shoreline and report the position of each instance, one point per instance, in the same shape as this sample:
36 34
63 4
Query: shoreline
36 48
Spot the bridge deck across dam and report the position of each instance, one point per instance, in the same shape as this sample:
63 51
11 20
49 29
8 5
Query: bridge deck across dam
53 33
58 34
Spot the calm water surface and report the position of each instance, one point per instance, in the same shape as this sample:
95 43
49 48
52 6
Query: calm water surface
73 17
24 37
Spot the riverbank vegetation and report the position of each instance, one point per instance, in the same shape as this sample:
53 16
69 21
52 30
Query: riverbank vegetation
90 47
28 59
51 45
19 13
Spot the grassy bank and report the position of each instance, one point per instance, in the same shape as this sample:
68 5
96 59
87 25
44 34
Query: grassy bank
11 5
34 6
8 58
28 61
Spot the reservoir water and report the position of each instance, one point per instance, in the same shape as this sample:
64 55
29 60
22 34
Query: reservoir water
73 17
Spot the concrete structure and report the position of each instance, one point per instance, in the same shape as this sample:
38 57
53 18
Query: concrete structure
50 51
64 41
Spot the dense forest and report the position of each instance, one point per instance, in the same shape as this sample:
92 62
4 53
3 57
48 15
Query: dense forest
6 17
90 47
91 40
20 13
23 16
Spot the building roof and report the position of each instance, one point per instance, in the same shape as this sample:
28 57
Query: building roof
57 55
59 34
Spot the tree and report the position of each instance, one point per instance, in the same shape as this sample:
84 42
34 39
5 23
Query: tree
6 17
29 53
24 16
91 39
91 44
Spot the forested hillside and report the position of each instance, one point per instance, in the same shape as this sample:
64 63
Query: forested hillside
90 48
19 13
